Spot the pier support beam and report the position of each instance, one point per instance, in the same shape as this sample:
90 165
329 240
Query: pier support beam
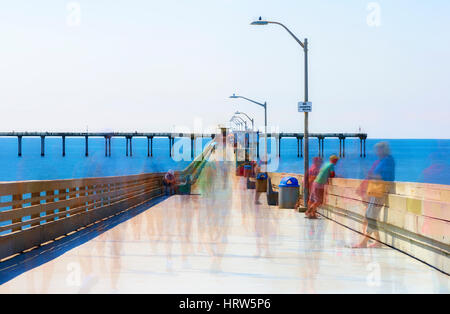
364 148
131 146
192 145
257 144
298 147
301 147
360 147
170 146
106 146
279 147
126 146
323 141
343 147
87 145
63 146
318 139
19 143
151 146
42 145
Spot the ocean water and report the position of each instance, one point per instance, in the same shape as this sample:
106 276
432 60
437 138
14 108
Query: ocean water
416 160
31 166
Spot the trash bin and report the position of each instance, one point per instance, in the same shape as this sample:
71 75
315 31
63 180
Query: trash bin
261 182
288 192
247 171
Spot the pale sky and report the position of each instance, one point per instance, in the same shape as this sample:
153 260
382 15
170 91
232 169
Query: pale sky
150 65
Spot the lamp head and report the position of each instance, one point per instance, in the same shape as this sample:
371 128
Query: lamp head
260 21
234 96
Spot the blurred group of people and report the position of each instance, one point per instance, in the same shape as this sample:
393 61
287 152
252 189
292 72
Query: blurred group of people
372 190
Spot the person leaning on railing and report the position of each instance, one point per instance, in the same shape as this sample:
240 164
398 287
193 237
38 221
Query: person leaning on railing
318 187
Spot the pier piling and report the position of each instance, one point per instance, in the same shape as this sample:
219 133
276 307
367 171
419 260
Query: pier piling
323 143
87 145
192 145
131 146
63 146
170 146
42 145
19 143
279 147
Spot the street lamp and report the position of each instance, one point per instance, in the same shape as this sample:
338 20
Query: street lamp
264 105
237 122
242 121
304 45
251 120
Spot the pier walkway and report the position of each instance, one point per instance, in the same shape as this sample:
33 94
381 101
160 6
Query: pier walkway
217 241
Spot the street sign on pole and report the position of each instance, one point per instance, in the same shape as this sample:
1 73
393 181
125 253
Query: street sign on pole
304 106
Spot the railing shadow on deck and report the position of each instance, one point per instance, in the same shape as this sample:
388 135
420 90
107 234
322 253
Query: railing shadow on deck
24 262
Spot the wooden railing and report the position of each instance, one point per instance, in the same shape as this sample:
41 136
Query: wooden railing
35 212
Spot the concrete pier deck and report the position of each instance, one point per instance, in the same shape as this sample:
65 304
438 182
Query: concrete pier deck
218 241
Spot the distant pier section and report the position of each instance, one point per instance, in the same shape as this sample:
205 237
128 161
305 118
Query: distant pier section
321 137
107 136
171 136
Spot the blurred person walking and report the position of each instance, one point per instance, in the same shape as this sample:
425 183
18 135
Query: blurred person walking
377 184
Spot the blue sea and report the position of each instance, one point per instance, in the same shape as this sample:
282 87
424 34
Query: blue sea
416 160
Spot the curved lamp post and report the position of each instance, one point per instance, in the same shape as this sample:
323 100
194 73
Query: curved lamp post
251 120
242 121
304 45
237 122
264 105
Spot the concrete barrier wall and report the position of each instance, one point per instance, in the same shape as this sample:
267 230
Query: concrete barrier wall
414 218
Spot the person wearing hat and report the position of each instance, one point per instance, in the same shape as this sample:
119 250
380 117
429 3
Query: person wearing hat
318 186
